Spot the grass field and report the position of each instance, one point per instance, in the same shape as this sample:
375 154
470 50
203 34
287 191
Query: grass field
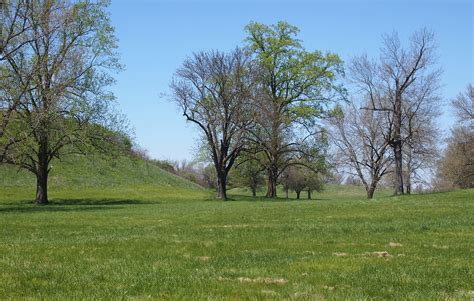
158 241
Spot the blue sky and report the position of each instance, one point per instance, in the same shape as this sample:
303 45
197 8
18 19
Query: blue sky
156 36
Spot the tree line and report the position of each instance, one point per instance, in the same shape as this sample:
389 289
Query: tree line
283 110
260 103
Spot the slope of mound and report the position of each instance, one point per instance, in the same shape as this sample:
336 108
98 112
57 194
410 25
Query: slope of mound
97 171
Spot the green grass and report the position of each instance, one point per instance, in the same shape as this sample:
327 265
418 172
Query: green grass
156 241
126 229
95 171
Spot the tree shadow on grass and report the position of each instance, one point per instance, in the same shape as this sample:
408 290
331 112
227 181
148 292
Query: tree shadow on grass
245 198
49 208
95 202
64 205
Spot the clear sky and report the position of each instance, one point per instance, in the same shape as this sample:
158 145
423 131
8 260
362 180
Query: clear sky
156 36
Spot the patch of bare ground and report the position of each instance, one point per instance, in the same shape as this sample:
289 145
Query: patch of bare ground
264 280
236 226
259 280
339 254
394 244
203 258
440 247
329 288
382 254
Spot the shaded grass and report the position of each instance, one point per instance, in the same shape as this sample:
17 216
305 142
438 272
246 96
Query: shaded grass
147 241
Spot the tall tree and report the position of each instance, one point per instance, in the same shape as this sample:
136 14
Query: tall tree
64 62
362 149
294 89
390 82
214 91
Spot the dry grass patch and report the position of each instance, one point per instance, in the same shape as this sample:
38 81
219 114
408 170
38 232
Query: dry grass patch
203 258
394 244
383 254
264 280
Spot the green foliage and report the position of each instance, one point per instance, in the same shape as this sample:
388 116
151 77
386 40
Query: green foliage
247 174
296 78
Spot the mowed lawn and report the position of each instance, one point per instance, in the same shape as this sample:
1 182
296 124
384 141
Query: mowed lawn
166 243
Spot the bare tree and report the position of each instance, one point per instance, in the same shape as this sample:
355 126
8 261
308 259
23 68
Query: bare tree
362 148
295 87
214 91
390 82
456 168
421 149
463 105
59 76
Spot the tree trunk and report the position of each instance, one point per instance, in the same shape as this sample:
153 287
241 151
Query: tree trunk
370 192
272 183
399 189
286 192
222 186
254 192
397 144
298 195
42 174
408 184
309 194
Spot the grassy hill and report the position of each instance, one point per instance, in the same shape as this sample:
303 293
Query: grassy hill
96 171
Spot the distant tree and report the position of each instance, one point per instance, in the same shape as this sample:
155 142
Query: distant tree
391 83
249 173
296 179
456 168
209 177
65 66
313 183
301 178
421 149
294 89
362 148
214 91
463 106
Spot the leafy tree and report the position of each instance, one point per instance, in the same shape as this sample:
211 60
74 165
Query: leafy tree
248 173
296 180
59 77
300 178
313 183
294 89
